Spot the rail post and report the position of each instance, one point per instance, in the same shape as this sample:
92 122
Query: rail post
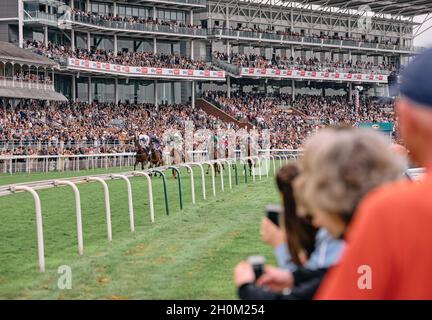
234 163
226 161
259 166
164 187
77 211
107 204
191 179
213 176
202 178
150 192
244 168
130 199
39 225
179 185
274 165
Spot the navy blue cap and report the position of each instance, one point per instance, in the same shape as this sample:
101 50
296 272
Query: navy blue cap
416 79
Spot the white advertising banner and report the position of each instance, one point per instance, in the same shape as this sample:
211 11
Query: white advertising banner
313 75
146 71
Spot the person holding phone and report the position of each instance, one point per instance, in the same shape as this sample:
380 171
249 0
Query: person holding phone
295 241
339 167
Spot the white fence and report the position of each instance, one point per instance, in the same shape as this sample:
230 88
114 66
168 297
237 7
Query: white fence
261 164
32 187
34 164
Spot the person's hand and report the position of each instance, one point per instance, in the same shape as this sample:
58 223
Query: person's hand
271 233
243 273
276 279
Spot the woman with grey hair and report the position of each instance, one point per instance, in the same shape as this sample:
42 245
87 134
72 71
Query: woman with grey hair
338 168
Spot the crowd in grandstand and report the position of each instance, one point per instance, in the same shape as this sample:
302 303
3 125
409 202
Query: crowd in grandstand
27 76
345 204
322 35
82 128
298 118
132 19
140 59
253 60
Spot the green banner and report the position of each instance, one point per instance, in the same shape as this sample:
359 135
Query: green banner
379 126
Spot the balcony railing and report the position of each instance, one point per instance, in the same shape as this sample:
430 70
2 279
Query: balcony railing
183 2
122 25
141 27
196 32
234 69
51 19
9 82
259 36
226 66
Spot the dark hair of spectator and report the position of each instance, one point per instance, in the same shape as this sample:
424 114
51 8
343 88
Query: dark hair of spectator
300 231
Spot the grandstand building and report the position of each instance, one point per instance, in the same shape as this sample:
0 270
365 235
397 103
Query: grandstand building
324 30
174 51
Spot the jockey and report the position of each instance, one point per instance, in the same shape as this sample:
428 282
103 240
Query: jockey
144 140
155 141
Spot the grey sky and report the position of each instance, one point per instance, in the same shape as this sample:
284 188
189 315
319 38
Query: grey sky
425 39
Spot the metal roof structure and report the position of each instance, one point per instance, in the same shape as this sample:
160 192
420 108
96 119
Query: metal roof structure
395 8
407 8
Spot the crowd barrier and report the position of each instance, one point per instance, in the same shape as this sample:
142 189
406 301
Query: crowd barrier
254 163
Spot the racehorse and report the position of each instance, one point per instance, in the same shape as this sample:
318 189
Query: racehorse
156 159
251 165
141 156
215 164
176 158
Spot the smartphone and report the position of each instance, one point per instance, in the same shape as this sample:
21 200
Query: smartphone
257 263
273 212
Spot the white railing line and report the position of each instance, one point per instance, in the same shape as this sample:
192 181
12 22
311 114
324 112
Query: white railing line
130 199
107 204
191 179
203 182
39 224
150 191
213 176
77 211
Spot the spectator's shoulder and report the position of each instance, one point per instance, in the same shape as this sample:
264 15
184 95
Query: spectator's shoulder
392 197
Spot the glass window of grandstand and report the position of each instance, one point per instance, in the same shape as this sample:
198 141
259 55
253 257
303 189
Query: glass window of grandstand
136 12
103 90
82 89
102 9
168 15
136 91
79 5
34 6
63 84
102 43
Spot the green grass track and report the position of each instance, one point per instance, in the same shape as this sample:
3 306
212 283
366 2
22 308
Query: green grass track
189 254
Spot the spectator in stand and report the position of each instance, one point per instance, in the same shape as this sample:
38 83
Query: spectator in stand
76 13
292 121
253 60
84 128
139 58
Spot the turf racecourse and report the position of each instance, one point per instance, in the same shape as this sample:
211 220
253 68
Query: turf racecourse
189 254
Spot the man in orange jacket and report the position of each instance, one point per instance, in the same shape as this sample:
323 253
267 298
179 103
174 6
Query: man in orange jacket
389 253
